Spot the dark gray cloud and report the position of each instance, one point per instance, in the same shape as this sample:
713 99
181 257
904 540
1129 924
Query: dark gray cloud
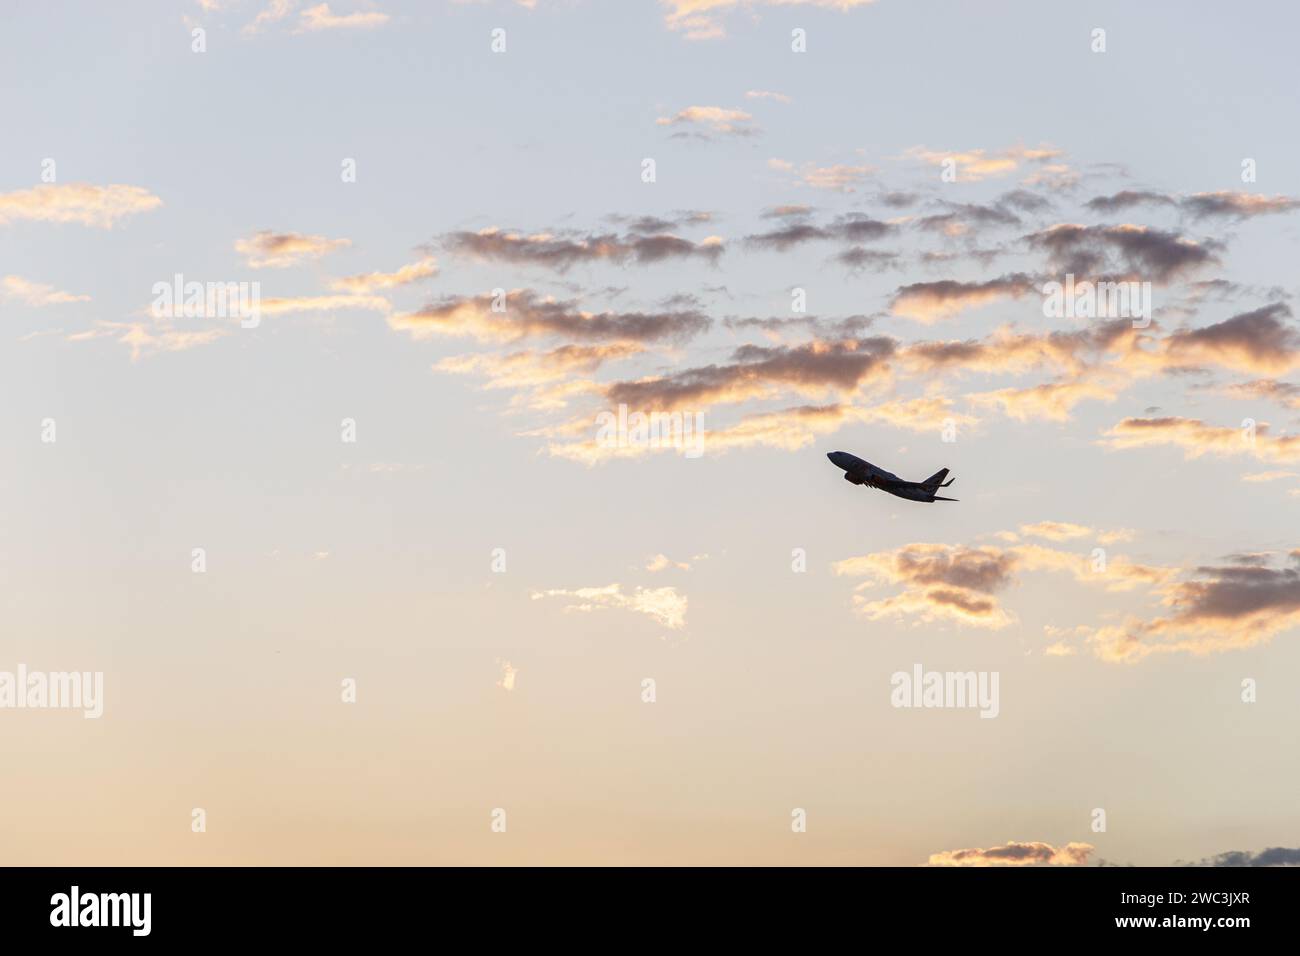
1129 198
849 327
528 315
756 370
857 259
1128 252
1225 204
962 219
561 251
1261 338
1273 856
850 227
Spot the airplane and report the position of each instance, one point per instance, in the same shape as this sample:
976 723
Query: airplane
865 473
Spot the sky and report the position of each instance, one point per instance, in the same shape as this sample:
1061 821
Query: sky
370 581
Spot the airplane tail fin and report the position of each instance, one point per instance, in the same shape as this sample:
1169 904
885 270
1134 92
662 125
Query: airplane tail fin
936 479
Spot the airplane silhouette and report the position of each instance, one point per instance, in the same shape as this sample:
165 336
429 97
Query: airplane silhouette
865 473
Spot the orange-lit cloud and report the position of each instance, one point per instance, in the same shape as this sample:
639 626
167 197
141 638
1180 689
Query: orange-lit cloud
977 164
716 119
84 203
1017 854
1196 438
35 294
373 281
321 17
272 250
705 19
960 583
1214 609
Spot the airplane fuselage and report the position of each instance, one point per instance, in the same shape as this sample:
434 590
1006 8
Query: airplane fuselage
862 472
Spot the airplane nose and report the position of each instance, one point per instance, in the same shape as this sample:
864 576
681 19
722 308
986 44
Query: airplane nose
831 455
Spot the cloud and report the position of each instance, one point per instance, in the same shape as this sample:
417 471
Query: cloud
851 227
1225 204
792 210
271 250
1017 854
274 12
528 315
546 380
978 164
1129 198
1047 401
930 301
560 252
788 429
148 339
838 177
320 17
940 582
767 95
1137 253
1257 341
1273 856
1285 394
756 371
661 562
857 259
663 605
960 583
1056 530
83 203
1260 476
35 294
1213 609
651 225
1196 438
716 119
704 19
509 674
964 219
323 303
1237 205
372 281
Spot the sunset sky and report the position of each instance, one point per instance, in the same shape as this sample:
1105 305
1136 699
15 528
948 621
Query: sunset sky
468 244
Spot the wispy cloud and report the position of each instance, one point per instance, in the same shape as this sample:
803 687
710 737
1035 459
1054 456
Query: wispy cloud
279 250
712 119
84 203
374 281
706 19
663 605
35 294
321 17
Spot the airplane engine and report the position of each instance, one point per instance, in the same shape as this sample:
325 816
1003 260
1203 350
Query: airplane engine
849 476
